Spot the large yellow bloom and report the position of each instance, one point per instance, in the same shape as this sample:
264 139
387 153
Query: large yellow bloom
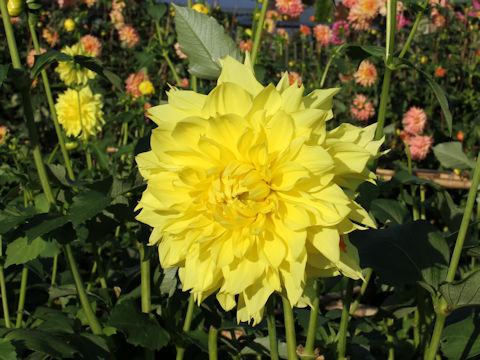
72 73
247 192
80 119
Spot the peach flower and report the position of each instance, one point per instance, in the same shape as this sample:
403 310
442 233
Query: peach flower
31 56
323 34
361 109
419 146
292 8
128 36
92 45
366 75
414 120
132 82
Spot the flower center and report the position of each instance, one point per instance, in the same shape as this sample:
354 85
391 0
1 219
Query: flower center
238 195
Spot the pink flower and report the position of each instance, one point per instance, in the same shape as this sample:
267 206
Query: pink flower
366 75
349 3
245 45
361 109
340 31
92 45
132 82
402 21
129 36
293 8
184 82
179 52
419 146
283 33
323 34
414 120
31 56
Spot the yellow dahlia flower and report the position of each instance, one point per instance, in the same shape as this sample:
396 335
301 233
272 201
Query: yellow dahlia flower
247 192
80 119
72 73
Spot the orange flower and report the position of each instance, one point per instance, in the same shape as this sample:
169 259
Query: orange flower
92 45
305 30
440 71
283 33
3 133
366 75
50 35
132 82
293 8
245 45
128 36
31 56
293 77
323 34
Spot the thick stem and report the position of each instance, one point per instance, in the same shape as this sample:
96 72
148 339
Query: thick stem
437 333
186 325
383 104
289 329
212 343
51 103
82 295
3 289
145 280
22 295
27 105
312 323
54 270
258 31
342 332
272 330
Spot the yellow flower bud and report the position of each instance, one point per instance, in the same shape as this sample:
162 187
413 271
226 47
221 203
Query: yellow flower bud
424 59
15 7
200 8
248 32
146 87
373 31
69 25
456 171
290 63
71 145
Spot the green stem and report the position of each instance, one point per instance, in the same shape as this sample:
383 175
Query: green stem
368 276
165 54
51 103
390 340
186 325
329 62
391 19
21 299
3 289
145 280
342 332
289 329
312 323
406 46
422 203
258 31
54 270
27 105
82 295
272 330
443 310
212 343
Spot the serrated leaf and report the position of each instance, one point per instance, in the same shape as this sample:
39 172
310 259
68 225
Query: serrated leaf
140 329
4 68
156 11
464 292
386 210
204 41
452 156
86 205
410 252
21 251
7 350
41 341
42 224
461 340
43 60
14 217
96 66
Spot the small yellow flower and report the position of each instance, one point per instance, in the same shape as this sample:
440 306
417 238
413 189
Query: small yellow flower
373 32
424 59
290 63
72 73
200 8
146 87
80 119
69 25
248 32
456 171
249 194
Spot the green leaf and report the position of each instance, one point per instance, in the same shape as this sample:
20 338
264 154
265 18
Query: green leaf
461 340
386 210
7 350
156 11
169 281
96 66
204 41
86 205
464 292
43 60
4 68
359 52
452 156
14 217
21 251
41 341
101 155
42 224
140 329
412 252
